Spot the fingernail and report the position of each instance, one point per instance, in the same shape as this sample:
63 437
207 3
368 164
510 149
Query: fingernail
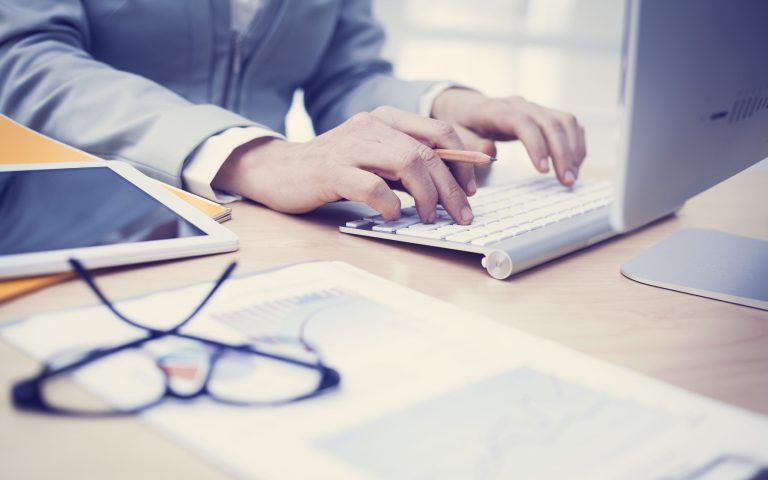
569 177
544 165
432 217
466 215
471 187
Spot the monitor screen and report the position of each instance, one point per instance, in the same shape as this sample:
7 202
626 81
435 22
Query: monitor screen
44 210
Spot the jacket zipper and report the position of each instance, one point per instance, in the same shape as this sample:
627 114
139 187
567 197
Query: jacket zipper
237 54
232 93
234 69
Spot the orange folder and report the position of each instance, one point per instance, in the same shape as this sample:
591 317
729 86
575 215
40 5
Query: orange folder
22 145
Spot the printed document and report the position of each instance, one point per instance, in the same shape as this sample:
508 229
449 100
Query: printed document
427 391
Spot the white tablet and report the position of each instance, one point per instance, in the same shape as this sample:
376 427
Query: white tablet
101 213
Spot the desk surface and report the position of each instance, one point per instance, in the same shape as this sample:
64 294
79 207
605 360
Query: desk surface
712 348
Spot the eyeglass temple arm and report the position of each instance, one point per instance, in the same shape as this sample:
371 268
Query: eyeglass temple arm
223 278
248 349
88 279
26 395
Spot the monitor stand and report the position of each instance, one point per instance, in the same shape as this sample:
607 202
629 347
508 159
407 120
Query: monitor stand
707 263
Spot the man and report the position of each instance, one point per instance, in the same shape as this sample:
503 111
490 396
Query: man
195 93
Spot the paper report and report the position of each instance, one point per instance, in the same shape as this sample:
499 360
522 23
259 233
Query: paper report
427 390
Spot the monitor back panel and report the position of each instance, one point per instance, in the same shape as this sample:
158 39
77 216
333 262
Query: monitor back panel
697 101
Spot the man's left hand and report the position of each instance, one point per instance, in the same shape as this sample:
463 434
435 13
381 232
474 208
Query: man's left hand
545 133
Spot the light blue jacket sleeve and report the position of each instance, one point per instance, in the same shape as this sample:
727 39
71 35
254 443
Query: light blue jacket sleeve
50 83
353 77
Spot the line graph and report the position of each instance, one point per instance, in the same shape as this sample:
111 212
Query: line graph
284 315
520 424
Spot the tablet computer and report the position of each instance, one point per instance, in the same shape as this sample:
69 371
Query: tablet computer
101 213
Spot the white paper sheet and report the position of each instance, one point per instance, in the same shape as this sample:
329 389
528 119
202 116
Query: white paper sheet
428 391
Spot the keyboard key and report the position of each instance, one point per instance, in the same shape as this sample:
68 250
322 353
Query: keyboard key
489 229
433 234
375 219
513 232
393 225
526 217
440 222
464 237
453 229
549 219
358 223
485 241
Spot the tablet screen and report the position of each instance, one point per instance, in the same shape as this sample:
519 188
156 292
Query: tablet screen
43 210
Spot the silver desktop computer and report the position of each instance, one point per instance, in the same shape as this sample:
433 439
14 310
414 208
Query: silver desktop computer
696 98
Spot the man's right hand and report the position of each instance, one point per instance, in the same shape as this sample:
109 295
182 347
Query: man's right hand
352 162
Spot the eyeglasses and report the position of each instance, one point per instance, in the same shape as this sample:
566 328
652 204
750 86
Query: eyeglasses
167 363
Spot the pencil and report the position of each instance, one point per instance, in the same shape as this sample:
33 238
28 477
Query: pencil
464 156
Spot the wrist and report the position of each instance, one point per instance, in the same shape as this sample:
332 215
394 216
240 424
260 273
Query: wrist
455 104
242 170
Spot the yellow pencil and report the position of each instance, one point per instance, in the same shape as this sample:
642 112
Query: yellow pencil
464 156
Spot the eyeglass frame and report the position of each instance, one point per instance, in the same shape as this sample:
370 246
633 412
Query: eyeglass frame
27 393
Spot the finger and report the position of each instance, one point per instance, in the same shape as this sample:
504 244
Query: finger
559 148
527 130
418 182
435 134
451 195
464 175
398 156
361 186
582 145
431 132
473 142
575 135
423 174
395 158
462 172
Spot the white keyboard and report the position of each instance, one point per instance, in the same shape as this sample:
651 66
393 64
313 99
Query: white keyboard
500 213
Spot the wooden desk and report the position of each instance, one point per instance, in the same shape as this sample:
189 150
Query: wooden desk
712 348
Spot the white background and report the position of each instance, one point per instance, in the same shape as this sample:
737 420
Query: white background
561 53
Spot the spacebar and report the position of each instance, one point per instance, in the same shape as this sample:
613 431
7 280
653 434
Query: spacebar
418 233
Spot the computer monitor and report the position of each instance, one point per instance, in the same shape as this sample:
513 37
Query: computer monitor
696 98
697 106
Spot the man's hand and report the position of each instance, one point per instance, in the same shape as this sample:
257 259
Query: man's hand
545 133
352 162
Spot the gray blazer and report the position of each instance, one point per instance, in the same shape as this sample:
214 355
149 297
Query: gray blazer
147 81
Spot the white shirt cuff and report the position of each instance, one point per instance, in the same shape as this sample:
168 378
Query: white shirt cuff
428 97
206 161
